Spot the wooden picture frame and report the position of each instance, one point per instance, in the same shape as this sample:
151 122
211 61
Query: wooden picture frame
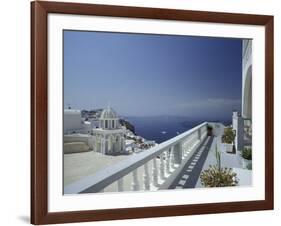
39 112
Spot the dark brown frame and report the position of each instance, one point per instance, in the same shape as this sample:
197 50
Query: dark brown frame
39 109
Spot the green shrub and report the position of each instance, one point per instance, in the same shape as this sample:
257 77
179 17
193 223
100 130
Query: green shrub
209 130
215 177
228 135
209 127
247 153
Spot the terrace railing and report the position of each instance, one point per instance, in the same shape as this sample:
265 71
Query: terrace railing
165 158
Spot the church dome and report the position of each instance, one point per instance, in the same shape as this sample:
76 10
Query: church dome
108 113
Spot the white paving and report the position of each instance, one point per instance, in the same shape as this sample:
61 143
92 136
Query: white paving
79 165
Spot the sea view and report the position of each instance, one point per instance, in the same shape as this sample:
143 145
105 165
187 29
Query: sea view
162 128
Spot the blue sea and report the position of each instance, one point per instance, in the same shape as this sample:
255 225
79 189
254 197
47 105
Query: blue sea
162 128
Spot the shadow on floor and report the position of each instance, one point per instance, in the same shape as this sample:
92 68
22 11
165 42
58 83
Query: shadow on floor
189 176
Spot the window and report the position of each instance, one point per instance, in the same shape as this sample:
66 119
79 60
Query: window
113 124
106 124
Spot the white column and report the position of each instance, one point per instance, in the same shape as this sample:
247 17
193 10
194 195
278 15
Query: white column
146 177
189 145
119 142
123 143
102 145
194 138
185 148
172 157
199 134
238 126
155 172
182 151
178 153
105 149
120 184
110 144
135 183
162 166
167 161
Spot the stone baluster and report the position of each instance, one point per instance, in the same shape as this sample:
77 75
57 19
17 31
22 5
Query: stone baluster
182 151
183 148
103 145
186 149
203 132
135 183
167 155
162 166
155 172
120 184
146 177
178 153
172 157
194 139
199 134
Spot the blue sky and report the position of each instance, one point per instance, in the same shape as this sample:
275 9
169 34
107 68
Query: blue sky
148 75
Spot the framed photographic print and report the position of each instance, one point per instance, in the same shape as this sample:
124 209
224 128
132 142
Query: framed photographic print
148 112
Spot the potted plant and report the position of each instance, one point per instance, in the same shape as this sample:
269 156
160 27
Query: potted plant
247 158
209 130
227 140
216 176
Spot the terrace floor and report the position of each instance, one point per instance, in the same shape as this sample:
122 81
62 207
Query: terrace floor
79 165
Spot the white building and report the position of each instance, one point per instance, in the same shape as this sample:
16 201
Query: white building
109 138
242 124
247 79
73 122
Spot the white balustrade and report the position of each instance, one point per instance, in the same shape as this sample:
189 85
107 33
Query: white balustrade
162 167
172 157
135 183
182 152
146 177
172 153
155 172
167 161
120 184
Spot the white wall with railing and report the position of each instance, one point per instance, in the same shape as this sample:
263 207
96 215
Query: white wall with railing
151 169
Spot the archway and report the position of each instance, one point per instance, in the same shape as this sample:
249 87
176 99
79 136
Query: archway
247 95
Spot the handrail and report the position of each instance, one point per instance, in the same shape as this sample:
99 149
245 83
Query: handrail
109 175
